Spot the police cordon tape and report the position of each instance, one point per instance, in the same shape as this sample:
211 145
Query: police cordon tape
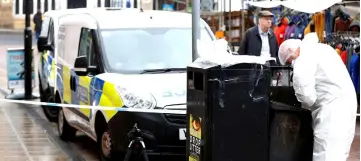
120 109
124 109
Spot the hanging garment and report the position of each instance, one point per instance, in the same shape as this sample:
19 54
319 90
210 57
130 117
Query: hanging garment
319 20
304 19
355 71
325 87
344 56
349 57
338 51
355 25
328 23
281 30
299 31
277 32
307 29
341 24
290 31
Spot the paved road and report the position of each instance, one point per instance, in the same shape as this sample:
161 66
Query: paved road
82 147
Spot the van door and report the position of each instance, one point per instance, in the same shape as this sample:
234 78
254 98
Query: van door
47 57
82 83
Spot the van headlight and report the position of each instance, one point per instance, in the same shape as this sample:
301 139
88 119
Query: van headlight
135 99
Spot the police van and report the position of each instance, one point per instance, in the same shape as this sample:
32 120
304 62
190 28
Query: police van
47 44
125 59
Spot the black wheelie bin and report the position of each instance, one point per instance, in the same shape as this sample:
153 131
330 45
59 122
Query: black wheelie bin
291 134
235 113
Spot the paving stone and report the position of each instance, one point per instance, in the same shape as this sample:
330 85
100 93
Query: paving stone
50 158
23 140
16 158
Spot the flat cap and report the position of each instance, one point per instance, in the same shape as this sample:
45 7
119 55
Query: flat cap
265 14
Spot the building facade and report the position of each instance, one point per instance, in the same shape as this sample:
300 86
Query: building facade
15 9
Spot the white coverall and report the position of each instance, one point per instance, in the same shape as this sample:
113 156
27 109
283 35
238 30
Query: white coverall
323 85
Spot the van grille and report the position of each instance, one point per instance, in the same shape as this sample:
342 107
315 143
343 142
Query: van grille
176 118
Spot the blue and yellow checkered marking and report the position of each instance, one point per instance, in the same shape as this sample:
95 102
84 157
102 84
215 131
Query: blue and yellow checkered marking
48 61
89 91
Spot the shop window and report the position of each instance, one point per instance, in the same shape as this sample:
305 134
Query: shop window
117 3
17 7
46 6
135 4
77 4
31 6
38 4
107 3
52 4
84 46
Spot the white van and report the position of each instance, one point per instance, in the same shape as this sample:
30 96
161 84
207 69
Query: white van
125 59
48 52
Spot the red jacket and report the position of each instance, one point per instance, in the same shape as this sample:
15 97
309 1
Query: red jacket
280 31
344 56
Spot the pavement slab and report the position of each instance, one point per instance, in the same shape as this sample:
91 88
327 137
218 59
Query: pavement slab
21 138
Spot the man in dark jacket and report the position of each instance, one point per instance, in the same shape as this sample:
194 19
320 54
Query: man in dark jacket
260 40
38 20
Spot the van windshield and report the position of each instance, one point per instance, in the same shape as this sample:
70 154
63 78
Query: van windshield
139 49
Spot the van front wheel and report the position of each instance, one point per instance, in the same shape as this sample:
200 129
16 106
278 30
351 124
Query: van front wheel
106 148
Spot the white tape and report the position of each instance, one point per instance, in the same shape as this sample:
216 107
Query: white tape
120 109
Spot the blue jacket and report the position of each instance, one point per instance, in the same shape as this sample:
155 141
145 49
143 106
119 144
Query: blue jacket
355 72
328 23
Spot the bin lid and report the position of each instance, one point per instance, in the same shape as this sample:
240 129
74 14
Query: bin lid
230 60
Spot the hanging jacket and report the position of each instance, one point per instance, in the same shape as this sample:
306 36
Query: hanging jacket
355 71
342 25
319 20
290 31
299 32
349 57
338 51
328 23
307 29
355 25
344 56
280 31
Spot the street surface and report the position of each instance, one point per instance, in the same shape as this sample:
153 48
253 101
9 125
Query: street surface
26 135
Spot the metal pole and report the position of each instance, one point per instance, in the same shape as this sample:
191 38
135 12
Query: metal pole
243 19
27 52
195 27
156 4
230 22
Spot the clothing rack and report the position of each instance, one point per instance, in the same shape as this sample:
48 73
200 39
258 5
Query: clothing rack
347 45
345 38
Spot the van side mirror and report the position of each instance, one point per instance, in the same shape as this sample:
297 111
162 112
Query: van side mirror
44 45
81 66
